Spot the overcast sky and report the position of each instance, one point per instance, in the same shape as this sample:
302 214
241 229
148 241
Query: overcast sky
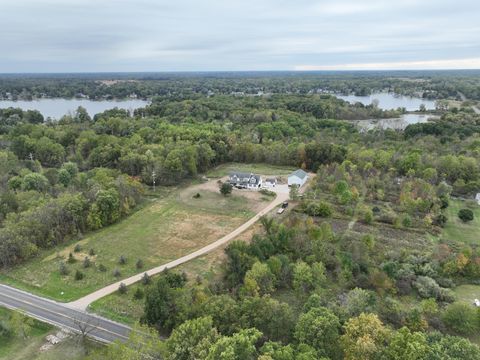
197 35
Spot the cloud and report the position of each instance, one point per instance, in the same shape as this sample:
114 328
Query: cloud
400 65
158 35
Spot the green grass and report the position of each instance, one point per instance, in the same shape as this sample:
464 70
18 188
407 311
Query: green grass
456 229
467 293
15 348
262 169
126 309
165 229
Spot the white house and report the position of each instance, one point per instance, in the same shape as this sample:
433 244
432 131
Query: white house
478 198
270 182
298 177
245 180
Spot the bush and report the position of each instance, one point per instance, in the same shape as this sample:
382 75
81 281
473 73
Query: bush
79 275
322 209
139 264
102 268
122 289
138 294
197 196
367 216
461 318
267 192
440 220
77 248
429 288
226 189
122 260
71 259
407 221
465 215
91 252
86 262
116 273
63 269
146 280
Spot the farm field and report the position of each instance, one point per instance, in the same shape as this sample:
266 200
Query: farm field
169 227
457 230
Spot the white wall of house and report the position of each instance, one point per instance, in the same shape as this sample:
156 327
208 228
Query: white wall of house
295 180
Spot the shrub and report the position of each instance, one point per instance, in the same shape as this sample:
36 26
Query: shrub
226 189
122 260
461 318
440 220
63 269
267 192
86 262
197 196
367 216
138 294
116 273
91 252
407 221
139 264
122 289
465 215
79 275
429 288
322 209
71 259
146 279
77 248
102 268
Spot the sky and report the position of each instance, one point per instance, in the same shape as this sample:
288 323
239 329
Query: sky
237 35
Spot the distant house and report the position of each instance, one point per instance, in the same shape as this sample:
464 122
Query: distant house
245 180
270 182
477 198
298 177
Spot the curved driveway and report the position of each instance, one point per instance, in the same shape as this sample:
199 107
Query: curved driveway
83 303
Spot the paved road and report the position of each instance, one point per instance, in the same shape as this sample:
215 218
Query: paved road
83 303
63 316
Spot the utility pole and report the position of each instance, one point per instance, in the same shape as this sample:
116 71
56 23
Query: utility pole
153 178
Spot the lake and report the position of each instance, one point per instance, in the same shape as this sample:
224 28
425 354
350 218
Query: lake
56 108
388 101
395 123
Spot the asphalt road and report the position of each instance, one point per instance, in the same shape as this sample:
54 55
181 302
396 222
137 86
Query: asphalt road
62 316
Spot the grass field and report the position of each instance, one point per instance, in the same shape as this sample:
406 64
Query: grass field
167 228
125 308
457 230
14 348
467 293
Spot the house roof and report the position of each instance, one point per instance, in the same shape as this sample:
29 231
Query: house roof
249 176
299 173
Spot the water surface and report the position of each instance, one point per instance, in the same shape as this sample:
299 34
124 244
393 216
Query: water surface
388 101
56 108
395 123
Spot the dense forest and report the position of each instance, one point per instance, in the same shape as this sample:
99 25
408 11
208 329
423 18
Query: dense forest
304 287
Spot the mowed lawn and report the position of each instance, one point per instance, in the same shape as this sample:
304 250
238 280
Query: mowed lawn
161 231
456 229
